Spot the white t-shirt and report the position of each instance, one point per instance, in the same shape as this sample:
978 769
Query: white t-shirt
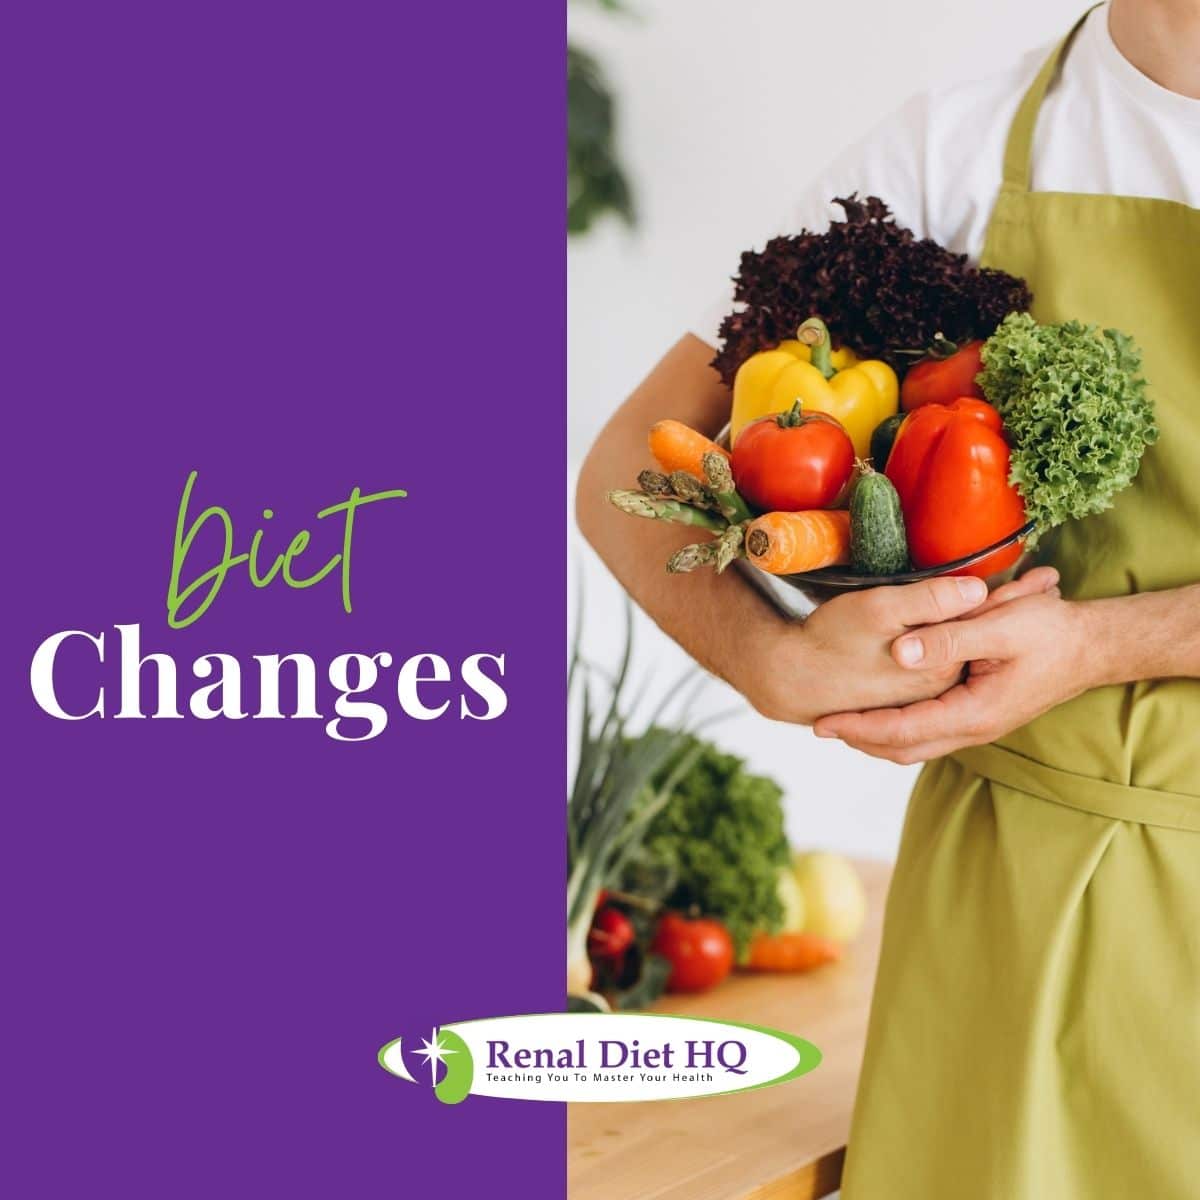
1104 127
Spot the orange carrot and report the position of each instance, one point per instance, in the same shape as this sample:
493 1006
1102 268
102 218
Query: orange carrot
677 448
790 952
783 543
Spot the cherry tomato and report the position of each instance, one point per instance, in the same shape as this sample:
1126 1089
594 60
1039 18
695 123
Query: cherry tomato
611 934
943 380
700 951
792 461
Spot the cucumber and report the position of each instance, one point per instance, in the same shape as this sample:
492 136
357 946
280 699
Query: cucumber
878 545
884 438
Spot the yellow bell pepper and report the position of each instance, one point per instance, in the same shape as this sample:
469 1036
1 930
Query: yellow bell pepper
857 393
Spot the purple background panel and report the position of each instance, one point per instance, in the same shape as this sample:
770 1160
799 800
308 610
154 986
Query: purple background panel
295 247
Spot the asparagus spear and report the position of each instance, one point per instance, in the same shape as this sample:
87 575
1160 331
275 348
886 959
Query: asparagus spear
719 553
691 491
654 483
656 508
691 557
720 483
729 545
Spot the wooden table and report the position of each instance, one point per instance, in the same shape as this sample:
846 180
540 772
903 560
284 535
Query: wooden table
776 1143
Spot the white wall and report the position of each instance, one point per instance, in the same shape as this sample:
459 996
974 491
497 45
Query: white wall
727 107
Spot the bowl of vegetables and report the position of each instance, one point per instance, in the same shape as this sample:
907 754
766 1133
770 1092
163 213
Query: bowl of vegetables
850 461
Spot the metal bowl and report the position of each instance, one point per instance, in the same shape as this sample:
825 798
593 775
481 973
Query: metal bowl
798 595
841 579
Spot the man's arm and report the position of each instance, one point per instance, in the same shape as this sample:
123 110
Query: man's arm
838 659
1155 635
699 610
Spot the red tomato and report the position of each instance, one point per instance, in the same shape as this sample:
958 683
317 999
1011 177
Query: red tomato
792 461
611 934
943 380
700 951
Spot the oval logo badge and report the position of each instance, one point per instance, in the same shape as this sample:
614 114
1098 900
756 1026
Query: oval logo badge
598 1057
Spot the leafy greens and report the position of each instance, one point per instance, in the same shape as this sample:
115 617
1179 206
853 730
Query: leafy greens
881 290
1075 407
719 841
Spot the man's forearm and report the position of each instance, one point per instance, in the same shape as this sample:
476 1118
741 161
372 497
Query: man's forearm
718 620
1153 635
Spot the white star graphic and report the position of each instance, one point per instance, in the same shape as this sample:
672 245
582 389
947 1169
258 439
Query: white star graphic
434 1051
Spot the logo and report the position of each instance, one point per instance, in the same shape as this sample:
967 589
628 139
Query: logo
599 1057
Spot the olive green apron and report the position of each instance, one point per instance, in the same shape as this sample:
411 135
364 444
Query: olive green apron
1035 1033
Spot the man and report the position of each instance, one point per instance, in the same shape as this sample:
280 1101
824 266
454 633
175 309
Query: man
1036 1025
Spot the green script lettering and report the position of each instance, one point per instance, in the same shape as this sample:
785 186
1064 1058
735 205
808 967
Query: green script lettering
213 578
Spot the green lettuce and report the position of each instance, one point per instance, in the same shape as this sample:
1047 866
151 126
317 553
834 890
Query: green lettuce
717 844
1075 407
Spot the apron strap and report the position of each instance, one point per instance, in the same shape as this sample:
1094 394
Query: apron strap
1018 153
1100 797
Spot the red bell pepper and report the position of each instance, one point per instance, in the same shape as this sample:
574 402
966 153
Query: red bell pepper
943 378
949 466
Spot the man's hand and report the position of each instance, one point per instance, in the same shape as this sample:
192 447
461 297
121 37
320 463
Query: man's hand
841 657
1025 657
